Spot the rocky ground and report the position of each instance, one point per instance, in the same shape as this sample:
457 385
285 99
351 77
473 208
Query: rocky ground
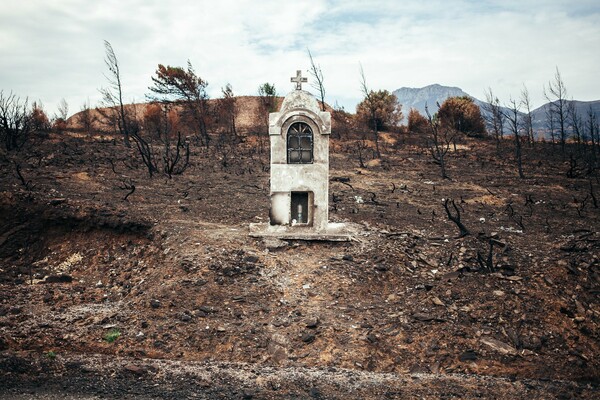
165 292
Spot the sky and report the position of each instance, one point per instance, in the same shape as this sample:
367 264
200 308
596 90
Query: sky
54 49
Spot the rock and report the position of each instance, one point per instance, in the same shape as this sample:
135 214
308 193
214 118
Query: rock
451 275
278 353
372 338
252 259
468 355
100 320
55 202
426 317
154 303
532 343
382 267
498 293
15 310
3 344
419 369
60 278
580 307
312 323
308 337
315 393
567 312
280 322
498 346
437 301
347 257
185 317
274 243
134 369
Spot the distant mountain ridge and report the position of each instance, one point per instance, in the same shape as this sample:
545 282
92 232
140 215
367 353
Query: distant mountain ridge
539 116
431 95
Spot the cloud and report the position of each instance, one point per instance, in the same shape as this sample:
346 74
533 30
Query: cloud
55 49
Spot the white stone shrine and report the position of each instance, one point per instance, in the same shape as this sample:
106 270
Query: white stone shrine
299 136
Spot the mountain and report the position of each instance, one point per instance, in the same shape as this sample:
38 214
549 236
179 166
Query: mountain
582 109
430 95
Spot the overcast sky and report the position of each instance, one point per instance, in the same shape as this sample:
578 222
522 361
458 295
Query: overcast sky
54 49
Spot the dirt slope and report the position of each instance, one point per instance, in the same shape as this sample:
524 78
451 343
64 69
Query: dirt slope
173 271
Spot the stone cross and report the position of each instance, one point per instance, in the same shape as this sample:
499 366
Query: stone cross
298 80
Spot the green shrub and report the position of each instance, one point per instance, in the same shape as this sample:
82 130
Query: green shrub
112 335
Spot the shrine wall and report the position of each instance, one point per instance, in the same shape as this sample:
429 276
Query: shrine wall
300 106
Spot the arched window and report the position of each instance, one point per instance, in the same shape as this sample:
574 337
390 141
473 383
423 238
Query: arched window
299 144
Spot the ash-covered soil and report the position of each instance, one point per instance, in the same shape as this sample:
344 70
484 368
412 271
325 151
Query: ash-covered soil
166 292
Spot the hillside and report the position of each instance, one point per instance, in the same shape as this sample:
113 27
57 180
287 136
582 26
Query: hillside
247 119
163 294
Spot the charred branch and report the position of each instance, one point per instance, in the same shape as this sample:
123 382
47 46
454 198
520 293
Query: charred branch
26 183
514 216
112 165
593 196
127 186
456 217
487 265
343 180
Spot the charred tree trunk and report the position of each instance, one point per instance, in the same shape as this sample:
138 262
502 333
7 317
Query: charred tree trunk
518 156
456 218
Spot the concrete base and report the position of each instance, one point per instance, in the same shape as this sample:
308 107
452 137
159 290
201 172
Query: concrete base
335 232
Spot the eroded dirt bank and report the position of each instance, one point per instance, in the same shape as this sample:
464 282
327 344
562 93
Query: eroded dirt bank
94 377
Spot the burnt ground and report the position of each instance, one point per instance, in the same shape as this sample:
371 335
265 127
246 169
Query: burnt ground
406 310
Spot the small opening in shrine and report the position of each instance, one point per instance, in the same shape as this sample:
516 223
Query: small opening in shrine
300 210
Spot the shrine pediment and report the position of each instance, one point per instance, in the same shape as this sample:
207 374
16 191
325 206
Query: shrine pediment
300 103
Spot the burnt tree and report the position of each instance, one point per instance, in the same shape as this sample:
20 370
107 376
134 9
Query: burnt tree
512 115
438 142
183 86
556 94
15 121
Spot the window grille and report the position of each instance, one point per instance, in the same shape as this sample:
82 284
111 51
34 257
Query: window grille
299 144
